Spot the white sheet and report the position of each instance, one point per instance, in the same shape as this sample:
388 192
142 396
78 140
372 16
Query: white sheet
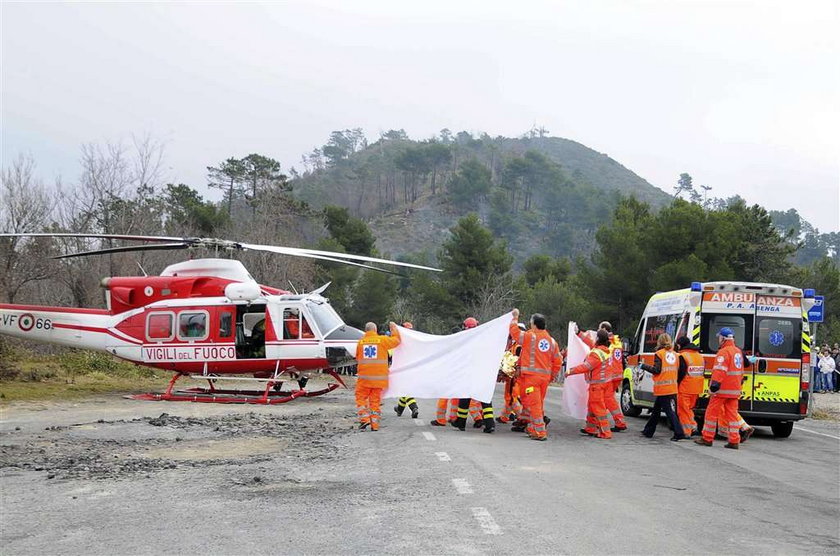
575 389
462 365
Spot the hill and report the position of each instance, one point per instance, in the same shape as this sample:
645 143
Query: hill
543 194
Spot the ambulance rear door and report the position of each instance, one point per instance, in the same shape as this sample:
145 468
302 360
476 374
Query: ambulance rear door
774 383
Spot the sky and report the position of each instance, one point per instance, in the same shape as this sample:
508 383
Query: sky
742 95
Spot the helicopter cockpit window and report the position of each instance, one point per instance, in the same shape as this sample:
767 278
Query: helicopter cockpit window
325 317
192 326
295 326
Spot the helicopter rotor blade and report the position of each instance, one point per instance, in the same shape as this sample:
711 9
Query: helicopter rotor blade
314 253
98 236
211 243
127 249
342 261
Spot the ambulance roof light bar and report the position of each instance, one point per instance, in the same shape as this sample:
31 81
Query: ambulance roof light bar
810 293
696 286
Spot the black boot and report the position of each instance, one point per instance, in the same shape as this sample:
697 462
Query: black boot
460 424
489 425
398 409
415 411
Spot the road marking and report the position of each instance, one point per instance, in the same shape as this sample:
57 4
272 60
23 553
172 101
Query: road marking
815 432
429 436
443 456
419 422
462 486
486 521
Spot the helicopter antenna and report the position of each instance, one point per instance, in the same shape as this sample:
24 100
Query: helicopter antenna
143 270
294 289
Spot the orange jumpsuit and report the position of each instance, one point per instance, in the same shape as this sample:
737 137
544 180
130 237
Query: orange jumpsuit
596 370
690 387
512 405
441 416
723 404
372 375
615 377
539 363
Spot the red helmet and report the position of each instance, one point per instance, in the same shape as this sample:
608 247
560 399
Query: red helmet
470 322
407 324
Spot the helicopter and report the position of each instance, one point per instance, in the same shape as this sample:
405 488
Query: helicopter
206 319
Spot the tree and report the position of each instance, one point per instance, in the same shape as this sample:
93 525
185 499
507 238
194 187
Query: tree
618 280
26 205
470 258
351 233
374 294
762 254
824 276
438 155
684 185
541 267
262 173
470 182
189 211
227 176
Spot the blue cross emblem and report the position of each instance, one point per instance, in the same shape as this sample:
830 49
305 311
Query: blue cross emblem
776 338
544 345
370 352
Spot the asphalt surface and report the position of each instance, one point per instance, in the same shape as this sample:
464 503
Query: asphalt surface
114 476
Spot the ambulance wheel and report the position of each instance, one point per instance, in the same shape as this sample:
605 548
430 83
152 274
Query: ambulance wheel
626 401
782 429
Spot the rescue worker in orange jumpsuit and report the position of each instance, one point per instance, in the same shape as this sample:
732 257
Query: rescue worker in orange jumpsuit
406 401
665 369
595 369
725 389
615 375
482 412
689 384
539 364
512 406
372 375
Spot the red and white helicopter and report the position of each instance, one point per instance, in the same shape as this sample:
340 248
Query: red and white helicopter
207 319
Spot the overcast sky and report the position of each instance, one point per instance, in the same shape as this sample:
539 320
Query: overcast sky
741 95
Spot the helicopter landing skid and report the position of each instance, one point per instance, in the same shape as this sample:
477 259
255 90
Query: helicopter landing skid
270 395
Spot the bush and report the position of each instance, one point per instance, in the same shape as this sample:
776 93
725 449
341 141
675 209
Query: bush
7 358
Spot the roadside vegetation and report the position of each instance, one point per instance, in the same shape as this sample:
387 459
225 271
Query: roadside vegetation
27 374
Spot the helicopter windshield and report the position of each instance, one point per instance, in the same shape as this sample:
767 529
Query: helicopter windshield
325 317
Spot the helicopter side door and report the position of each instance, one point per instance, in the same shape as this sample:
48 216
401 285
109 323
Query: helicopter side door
297 341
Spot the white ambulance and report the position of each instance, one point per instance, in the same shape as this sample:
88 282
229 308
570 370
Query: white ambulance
770 321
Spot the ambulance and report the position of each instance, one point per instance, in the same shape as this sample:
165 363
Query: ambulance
770 321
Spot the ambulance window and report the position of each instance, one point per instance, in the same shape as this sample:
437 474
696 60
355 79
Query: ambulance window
740 325
657 325
778 337
226 324
192 325
159 327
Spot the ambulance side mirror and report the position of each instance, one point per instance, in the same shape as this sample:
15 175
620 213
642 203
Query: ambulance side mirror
628 347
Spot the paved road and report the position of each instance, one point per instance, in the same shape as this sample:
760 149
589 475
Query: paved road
413 488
